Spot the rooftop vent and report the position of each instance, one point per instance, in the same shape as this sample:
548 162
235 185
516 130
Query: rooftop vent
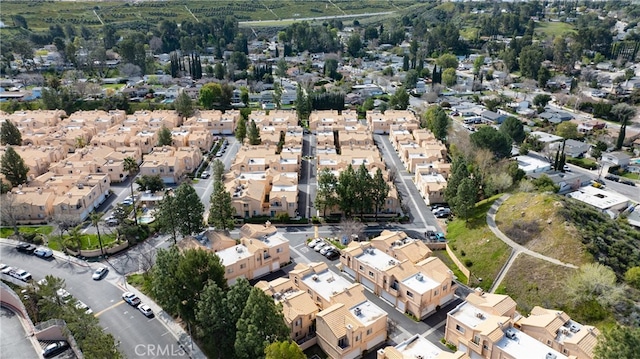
511 334
239 249
479 315
419 277
574 328
357 311
315 278
550 356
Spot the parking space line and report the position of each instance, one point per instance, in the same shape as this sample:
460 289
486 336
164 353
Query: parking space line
108 308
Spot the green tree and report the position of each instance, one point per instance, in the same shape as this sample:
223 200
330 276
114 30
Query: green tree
541 100
400 99
567 130
459 171
514 128
477 64
261 323
153 183
130 165
326 193
632 277
167 222
221 212
13 167
281 68
241 130
188 210
497 142
618 342
447 61
346 190
379 191
530 58
184 105
210 321
437 121
219 71
363 186
354 45
597 282
195 269
465 199
164 137
254 134
623 112
10 134
449 77
208 95
95 218
284 350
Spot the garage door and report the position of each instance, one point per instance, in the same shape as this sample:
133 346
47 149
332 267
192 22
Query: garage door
275 266
349 271
402 306
375 341
389 297
446 299
367 283
260 272
462 348
227 132
354 354
475 355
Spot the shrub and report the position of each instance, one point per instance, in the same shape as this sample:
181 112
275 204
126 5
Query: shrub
315 220
463 253
468 263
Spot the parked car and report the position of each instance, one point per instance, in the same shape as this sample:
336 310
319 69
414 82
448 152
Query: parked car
131 298
566 168
205 175
111 221
332 254
26 248
612 178
440 237
80 305
314 242
627 182
326 249
319 246
21 274
431 235
54 348
146 310
100 273
442 212
7 270
43 252
64 295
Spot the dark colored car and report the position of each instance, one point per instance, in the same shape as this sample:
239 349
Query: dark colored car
612 178
332 255
628 183
26 248
54 349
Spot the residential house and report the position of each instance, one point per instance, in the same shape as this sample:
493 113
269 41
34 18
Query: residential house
416 288
605 201
172 164
381 123
572 148
566 181
263 193
556 329
97 159
531 165
255 257
101 120
280 119
217 122
33 120
29 205
401 247
415 347
430 184
146 140
298 309
616 159
38 158
492 117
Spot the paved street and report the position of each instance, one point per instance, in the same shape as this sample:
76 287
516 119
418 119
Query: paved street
138 335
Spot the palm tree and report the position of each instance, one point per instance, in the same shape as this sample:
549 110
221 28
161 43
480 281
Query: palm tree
131 166
75 236
95 219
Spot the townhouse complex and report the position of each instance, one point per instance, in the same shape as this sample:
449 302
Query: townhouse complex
73 160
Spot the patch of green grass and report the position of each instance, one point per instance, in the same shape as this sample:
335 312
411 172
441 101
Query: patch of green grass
553 29
631 175
7 231
469 33
89 241
444 257
550 234
486 253
113 86
141 281
583 162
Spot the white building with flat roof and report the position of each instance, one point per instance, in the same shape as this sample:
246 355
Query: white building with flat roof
517 344
605 201
546 137
417 347
420 283
326 283
375 258
532 165
367 312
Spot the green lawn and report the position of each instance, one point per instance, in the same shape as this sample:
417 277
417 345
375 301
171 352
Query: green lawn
89 241
46 230
583 162
631 175
113 86
473 241
444 256
553 29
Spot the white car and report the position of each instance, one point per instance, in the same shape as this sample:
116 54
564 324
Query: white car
64 295
325 249
82 306
6 269
314 242
319 246
43 252
566 168
146 310
21 274
100 273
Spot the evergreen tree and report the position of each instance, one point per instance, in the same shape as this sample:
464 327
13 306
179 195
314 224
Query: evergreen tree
184 105
437 121
380 190
326 193
221 212
254 134
619 342
261 323
13 167
513 128
188 210
363 186
346 190
10 134
405 63
465 199
459 171
241 129
164 137
284 350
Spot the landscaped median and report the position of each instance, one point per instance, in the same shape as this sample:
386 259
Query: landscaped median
477 247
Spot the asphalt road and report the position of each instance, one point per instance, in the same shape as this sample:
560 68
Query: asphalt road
139 337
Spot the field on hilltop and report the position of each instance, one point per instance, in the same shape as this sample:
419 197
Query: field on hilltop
41 14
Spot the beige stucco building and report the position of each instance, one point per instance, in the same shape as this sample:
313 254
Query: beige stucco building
38 158
418 347
379 122
215 121
98 159
172 164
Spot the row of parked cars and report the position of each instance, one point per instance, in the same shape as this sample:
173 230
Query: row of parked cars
42 252
325 248
615 178
16 273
